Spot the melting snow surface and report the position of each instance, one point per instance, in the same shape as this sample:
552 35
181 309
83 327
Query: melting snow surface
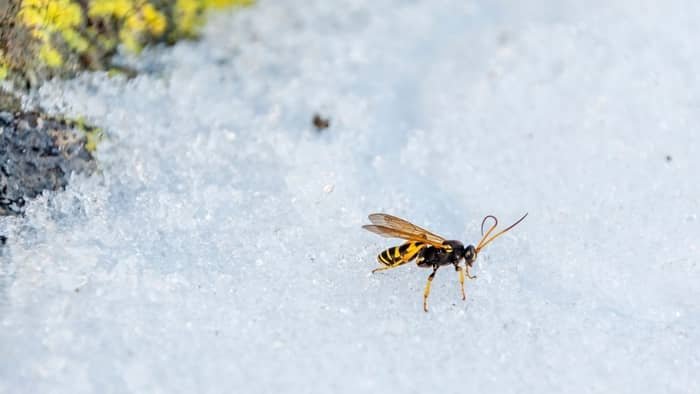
219 249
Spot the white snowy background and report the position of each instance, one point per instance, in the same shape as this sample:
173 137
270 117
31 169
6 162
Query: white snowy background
220 250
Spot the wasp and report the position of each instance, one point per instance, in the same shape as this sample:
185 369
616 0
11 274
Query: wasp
428 249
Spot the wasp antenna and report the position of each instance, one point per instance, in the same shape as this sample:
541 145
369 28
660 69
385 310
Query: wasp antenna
493 227
484 241
484 222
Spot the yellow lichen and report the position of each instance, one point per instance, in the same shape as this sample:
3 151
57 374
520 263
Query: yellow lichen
92 138
62 28
4 67
155 20
74 40
226 3
110 8
50 55
137 20
187 16
62 14
130 42
134 23
45 18
93 135
188 13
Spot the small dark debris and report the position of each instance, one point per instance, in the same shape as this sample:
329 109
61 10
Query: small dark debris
669 158
77 290
320 122
3 240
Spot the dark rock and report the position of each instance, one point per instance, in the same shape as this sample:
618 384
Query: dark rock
38 153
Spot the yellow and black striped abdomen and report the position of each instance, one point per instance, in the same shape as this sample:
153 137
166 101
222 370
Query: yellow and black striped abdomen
400 254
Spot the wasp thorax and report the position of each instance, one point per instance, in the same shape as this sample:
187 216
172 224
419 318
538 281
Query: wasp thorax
454 247
470 254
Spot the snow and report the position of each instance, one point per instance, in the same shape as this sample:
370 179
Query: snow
219 249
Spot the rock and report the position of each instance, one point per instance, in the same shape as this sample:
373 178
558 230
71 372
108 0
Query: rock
37 153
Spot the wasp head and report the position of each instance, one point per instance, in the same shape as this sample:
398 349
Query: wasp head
470 255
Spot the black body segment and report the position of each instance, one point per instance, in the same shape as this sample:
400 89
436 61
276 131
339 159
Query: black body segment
450 253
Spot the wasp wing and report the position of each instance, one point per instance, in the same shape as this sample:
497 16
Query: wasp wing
393 222
389 232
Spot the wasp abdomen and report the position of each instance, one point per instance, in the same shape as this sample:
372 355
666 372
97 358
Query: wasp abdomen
400 254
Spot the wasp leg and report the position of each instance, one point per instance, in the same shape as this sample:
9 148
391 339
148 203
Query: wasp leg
469 275
426 293
384 268
460 272
388 267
